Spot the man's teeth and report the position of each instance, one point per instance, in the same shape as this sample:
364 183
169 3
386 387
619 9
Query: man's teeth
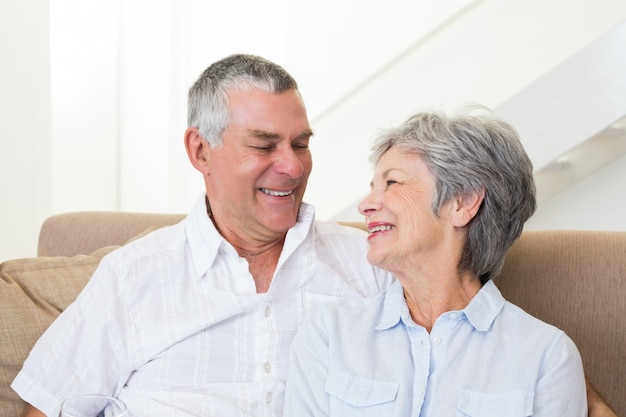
276 193
381 228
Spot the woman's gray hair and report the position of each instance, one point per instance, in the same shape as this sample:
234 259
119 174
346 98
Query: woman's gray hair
208 107
467 152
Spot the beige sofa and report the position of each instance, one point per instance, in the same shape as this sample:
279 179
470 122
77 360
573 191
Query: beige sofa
575 280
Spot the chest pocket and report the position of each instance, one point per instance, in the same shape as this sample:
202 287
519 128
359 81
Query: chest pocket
360 396
495 404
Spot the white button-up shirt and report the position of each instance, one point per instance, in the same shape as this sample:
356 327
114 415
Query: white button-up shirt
173 325
490 359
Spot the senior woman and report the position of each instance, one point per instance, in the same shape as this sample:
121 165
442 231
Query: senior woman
448 198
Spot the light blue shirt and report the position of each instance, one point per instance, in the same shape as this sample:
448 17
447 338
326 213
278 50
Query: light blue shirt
489 359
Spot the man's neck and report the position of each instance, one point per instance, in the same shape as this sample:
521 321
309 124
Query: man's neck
262 264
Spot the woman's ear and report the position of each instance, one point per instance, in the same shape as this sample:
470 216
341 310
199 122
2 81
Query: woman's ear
198 150
466 207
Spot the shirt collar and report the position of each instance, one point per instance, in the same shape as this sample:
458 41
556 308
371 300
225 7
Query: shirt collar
394 307
299 232
480 312
205 241
203 238
485 307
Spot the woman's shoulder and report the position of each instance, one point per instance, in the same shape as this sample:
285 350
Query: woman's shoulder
532 330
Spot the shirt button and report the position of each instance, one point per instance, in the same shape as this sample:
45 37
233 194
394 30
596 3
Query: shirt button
267 367
436 340
268 397
266 312
453 316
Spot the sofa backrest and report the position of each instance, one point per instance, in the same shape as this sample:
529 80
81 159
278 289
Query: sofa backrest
70 234
575 280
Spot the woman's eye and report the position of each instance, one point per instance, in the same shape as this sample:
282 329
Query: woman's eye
391 182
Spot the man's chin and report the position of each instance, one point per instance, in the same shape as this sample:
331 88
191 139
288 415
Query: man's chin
282 223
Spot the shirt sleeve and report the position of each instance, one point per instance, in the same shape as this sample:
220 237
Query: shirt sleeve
561 389
84 351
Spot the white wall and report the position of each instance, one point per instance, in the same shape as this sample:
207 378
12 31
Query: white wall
110 136
25 183
595 203
487 55
85 112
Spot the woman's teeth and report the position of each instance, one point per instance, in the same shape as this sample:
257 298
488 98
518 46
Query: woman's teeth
380 228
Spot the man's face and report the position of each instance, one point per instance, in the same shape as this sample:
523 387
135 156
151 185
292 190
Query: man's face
257 178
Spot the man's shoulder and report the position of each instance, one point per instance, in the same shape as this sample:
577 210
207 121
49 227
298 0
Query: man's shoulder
324 227
340 240
150 244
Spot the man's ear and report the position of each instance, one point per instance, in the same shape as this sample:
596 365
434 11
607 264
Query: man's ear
466 207
198 150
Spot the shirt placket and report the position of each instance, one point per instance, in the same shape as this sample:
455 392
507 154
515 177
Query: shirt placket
267 355
421 347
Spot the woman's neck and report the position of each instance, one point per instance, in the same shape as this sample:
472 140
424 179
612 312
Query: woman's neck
429 296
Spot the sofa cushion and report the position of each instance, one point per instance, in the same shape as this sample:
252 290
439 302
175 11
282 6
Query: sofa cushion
34 291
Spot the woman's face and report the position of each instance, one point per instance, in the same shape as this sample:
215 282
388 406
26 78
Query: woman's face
403 228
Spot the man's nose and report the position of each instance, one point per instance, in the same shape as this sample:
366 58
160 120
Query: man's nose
288 162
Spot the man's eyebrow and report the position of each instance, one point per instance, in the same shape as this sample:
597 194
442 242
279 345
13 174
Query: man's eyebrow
305 134
262 134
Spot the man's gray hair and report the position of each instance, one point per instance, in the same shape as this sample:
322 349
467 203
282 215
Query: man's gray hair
471 151
208 107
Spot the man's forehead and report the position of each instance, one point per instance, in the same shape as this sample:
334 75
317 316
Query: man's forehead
260 114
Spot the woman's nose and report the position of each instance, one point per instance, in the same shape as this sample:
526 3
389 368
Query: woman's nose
370 204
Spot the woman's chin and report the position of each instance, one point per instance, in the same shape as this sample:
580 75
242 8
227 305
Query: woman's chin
375 259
